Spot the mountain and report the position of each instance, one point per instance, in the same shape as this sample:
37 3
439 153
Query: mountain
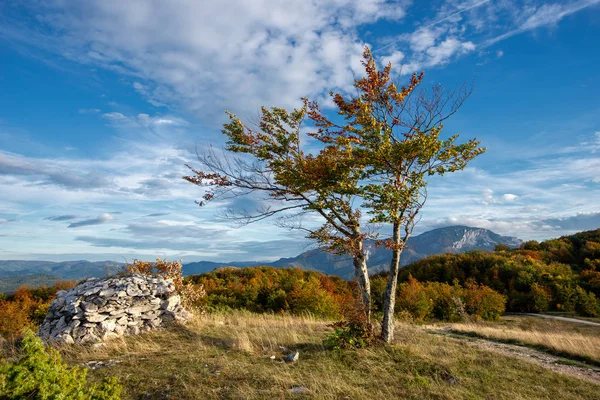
200 267
452 239
12 283
65 270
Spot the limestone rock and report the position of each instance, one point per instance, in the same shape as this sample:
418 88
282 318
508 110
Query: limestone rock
99 309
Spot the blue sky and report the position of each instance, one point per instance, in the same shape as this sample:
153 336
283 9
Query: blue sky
103 102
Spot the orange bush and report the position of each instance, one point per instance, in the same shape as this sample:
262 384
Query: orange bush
27 307
191 295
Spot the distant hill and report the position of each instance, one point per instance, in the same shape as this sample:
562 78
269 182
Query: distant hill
65 270
12 283
200 267
453 239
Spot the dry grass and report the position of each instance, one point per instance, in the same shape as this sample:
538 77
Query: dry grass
564 338
227 356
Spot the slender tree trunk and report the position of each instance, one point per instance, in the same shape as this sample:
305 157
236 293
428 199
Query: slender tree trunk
389 303
362 277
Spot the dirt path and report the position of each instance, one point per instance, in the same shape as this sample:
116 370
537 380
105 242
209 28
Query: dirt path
549 361
566 319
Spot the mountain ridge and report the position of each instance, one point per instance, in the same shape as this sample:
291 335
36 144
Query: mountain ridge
451 239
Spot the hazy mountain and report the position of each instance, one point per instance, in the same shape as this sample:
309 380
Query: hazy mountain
453 239
65 270
199 267
12 283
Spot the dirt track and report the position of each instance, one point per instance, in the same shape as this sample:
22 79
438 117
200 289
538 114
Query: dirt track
557 364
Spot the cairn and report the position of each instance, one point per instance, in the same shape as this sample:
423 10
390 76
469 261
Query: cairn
99 309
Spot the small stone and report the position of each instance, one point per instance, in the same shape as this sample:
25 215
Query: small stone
95 317
108 325
299 389
89 307
292 357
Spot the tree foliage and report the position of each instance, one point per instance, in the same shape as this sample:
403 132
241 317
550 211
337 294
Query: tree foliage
381 155
27 308
394 137
554 275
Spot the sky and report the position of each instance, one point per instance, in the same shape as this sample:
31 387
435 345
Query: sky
103 102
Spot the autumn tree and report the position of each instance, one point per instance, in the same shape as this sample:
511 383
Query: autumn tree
395 136
268 159
378 158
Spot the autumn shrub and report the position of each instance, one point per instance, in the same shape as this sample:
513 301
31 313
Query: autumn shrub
441 301
191 295
14 319
41 374
353 332
267 289
413 299
539 298
27 308
483 302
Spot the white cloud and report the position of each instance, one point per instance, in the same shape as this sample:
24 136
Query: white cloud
393 58
209 56
142 120
529 17
509 197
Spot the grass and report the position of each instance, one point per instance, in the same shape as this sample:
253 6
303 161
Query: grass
578 341
227 356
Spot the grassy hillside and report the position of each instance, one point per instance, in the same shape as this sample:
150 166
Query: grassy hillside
228 356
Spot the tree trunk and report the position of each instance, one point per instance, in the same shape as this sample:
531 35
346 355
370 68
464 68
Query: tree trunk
362 277
389 302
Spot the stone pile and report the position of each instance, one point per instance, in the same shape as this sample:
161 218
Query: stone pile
98 309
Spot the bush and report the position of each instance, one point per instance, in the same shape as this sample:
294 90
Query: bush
435 300
539 299
267 289
354 332
483 302
413 299
27 308
191 295
41 374
586 303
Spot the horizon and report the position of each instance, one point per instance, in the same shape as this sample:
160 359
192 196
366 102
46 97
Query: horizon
99 257
100 112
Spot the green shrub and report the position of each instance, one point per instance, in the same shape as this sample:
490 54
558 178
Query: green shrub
353 333
586 303
435 300
539 299
40 374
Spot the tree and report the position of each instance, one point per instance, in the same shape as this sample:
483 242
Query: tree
394 134
269 161
380 155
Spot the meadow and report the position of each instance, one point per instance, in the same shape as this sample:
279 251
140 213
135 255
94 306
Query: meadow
239 355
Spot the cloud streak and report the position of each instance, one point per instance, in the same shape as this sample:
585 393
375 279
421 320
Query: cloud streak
100 219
